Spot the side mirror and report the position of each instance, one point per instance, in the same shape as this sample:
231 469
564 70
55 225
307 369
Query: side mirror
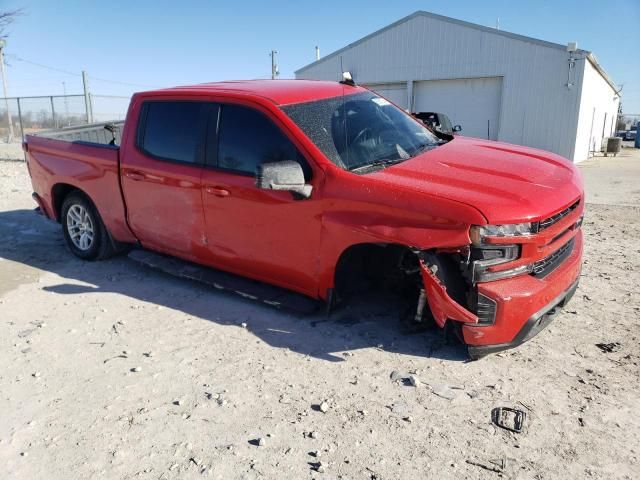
457 128
286 175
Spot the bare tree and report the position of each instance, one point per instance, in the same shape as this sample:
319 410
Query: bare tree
6 19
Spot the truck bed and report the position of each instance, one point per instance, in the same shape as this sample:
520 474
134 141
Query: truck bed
92 133
79 157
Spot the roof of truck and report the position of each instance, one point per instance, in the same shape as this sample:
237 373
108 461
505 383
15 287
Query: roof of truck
281 92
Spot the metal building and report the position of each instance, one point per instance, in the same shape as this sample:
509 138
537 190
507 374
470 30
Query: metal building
495 84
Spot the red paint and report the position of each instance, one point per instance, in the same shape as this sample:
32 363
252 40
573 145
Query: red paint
520 297
442 306
281 92
221 219
507 183
90 169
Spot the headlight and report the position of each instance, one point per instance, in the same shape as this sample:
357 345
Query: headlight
488 256
478 233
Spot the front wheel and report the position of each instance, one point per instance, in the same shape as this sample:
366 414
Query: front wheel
85 234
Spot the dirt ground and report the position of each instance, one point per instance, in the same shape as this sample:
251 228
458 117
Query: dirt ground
111 370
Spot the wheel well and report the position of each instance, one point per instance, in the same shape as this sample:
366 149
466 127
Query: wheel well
58 193
368 266
395 268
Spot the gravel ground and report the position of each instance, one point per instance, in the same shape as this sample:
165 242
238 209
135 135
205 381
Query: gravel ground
110 370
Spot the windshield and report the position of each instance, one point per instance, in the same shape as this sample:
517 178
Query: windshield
360 130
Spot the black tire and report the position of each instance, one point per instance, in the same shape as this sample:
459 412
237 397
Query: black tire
100 246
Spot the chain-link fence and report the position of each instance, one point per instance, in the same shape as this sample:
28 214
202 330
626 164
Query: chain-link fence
20 116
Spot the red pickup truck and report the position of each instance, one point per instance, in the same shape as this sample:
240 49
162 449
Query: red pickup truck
325 189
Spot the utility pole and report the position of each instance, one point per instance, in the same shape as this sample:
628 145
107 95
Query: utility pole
274 64
317 53
4 88
87 97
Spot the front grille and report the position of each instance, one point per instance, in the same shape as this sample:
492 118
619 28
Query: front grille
544 267
547 222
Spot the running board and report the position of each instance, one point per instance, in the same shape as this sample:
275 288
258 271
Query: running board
244 287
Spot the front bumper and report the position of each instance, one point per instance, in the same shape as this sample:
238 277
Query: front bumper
524 305
531 328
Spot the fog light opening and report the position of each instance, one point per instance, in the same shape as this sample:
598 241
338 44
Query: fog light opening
486 310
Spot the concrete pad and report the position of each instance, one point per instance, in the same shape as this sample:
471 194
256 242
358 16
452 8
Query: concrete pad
613 180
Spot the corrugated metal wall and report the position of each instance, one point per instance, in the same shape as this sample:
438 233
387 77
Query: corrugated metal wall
394 92
537 109
598 111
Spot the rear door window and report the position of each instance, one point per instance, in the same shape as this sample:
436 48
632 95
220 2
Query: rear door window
174 130
247 138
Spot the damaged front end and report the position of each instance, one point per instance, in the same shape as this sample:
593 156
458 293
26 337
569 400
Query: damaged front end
484 293
451 278
450 291
442 306
506 285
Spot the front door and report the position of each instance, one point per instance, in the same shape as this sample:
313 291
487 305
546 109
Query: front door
161 179
265 234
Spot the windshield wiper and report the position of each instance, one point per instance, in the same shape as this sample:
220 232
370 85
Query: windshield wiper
426 146
377 163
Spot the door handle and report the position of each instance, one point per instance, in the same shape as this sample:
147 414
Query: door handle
134 175
217 191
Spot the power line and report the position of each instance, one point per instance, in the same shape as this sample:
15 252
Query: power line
66 72
20 59
122 83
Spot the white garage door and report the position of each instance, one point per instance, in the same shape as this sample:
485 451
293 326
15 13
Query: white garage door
394 92
473 103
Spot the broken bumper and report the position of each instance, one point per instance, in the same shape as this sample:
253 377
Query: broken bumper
525 305
531 328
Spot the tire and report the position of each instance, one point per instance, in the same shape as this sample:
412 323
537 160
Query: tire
83 229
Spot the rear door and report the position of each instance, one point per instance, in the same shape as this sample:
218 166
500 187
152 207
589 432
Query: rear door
265 234
161 177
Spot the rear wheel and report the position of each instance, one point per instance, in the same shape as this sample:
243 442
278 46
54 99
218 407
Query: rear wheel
85 234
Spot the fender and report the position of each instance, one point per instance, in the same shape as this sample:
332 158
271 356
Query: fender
359 209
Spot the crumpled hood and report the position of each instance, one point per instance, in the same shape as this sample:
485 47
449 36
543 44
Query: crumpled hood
506 183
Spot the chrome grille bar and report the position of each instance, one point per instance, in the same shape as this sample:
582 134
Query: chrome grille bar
544 267
547 222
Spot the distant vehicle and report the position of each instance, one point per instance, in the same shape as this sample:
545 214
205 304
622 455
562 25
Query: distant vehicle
438 121
325 189
621 134
630 135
